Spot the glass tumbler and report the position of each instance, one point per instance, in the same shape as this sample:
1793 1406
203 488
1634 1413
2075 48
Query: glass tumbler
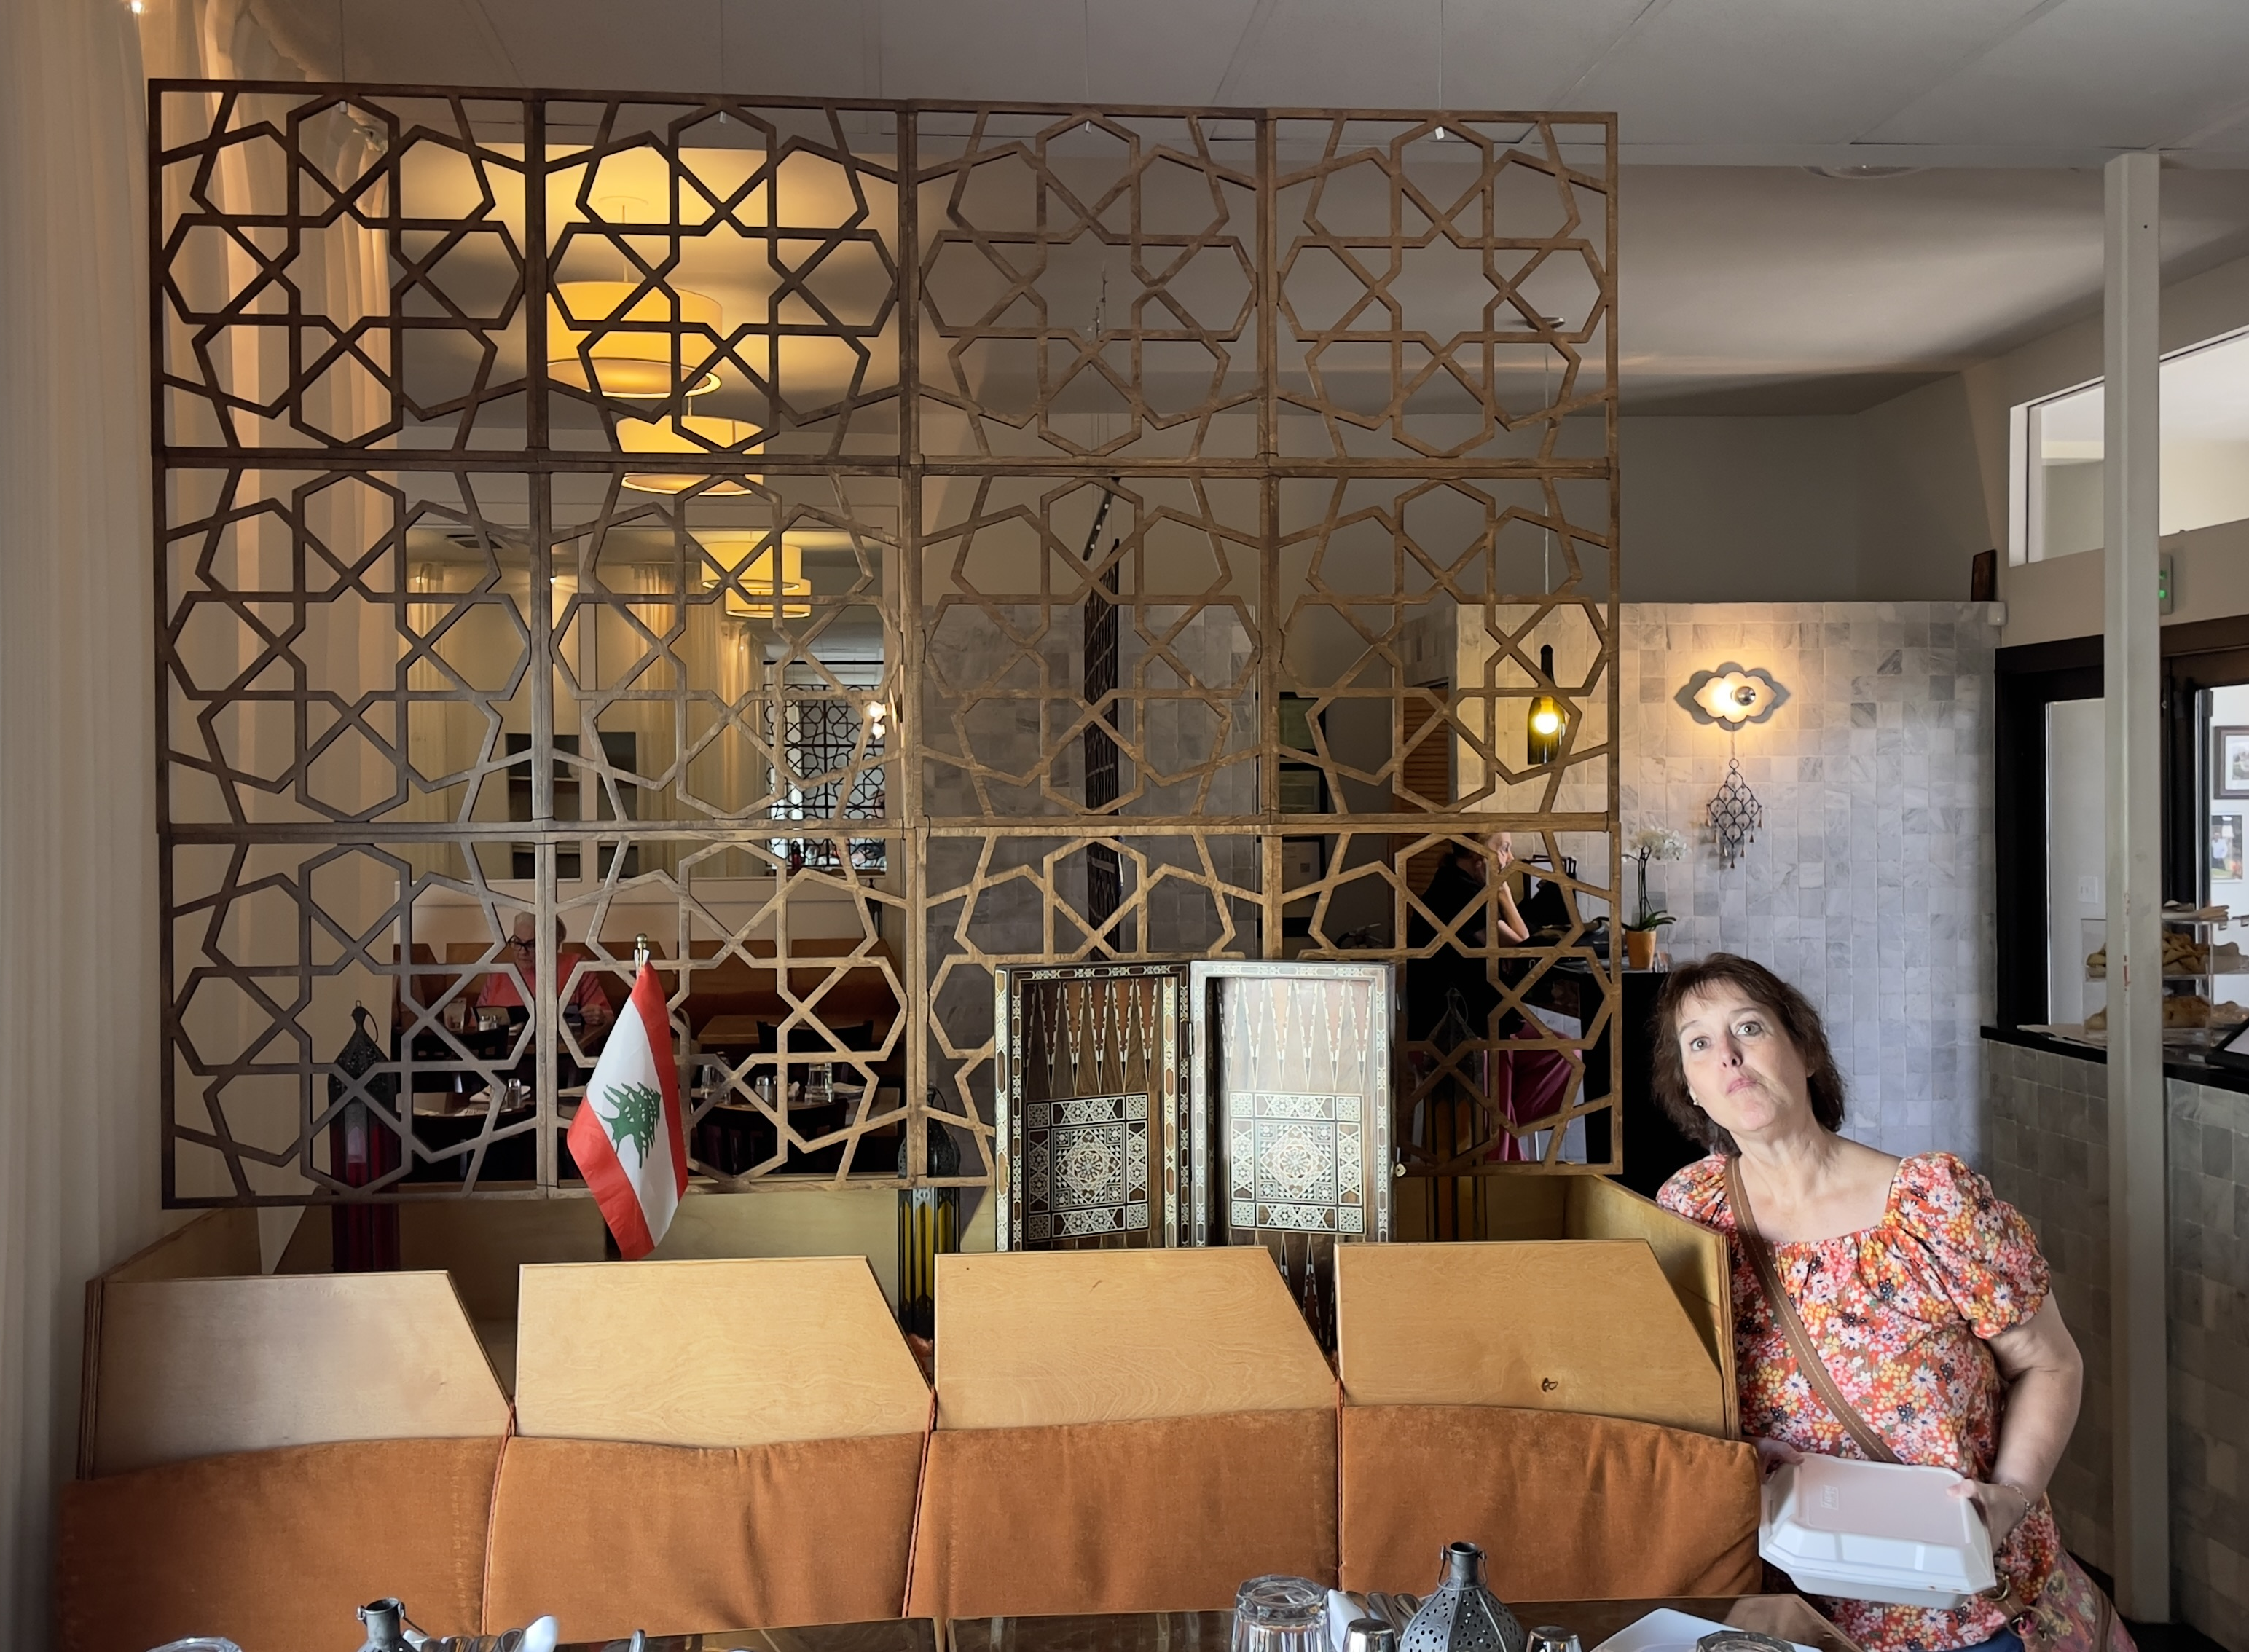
1278 1613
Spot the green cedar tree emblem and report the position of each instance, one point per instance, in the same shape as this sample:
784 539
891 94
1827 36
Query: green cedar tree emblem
637 1107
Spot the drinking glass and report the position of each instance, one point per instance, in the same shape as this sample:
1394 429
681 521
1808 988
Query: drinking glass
1280 1614
1552 1637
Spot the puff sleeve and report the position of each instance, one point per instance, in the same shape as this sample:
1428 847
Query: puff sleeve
1971 1247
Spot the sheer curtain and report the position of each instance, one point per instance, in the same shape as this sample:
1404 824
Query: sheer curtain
78 863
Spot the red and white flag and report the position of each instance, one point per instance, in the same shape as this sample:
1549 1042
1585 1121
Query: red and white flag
629 1138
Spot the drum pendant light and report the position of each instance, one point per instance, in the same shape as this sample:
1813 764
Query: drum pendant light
649 344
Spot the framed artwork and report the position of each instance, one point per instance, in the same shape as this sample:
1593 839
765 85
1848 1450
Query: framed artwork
2229 762
2226 848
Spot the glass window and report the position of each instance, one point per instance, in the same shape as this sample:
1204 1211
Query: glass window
2206 454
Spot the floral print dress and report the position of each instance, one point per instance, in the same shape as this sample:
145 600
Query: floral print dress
1901 1313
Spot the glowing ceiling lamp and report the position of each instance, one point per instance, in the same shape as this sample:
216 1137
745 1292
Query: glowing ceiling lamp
634 359
753 593
678 436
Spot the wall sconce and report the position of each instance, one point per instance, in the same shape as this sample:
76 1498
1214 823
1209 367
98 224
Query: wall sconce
1732 697
1543 725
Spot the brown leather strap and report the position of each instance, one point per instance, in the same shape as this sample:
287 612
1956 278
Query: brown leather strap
1785 1315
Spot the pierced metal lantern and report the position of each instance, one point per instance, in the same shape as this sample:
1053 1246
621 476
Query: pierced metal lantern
363 1149
1461 1615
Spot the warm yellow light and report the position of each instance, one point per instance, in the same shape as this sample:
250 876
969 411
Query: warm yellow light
1733 697
671 436
636 365
1545 720
753 572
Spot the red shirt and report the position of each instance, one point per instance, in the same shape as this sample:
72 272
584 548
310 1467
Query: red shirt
499 992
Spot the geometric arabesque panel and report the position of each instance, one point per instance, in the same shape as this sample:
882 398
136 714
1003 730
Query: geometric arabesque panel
860 546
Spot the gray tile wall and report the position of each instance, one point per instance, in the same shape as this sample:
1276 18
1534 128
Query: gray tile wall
2045 1149
1870 885
2046 1130
2208 1142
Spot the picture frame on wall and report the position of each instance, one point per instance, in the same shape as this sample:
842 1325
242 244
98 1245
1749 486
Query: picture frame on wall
2229 761
2226 848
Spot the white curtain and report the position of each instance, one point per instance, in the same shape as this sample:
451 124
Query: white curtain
79 991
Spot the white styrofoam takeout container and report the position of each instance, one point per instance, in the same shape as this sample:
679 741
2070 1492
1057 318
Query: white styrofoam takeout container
1887 1531
1668 1630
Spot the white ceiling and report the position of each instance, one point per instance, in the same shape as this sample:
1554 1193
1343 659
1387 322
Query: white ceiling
1748 284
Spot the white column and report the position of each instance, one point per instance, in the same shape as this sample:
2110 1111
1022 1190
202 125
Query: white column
2130 475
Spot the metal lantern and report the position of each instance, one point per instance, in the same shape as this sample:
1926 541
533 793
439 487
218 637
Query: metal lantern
363 1148
1461 1615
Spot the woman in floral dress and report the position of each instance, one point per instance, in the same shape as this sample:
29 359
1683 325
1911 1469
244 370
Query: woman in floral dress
1923 1291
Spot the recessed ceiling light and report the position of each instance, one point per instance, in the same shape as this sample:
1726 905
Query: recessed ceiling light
1857 174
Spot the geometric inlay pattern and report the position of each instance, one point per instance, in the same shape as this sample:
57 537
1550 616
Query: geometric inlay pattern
1086 1167
586 516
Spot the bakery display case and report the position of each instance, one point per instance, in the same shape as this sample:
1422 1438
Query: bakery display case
2206 980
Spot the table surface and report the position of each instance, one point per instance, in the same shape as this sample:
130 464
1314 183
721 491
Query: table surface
1593 1622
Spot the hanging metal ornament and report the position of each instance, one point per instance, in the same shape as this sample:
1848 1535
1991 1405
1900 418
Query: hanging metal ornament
1735 814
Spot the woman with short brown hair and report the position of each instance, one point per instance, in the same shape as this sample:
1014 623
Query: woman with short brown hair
1920 1292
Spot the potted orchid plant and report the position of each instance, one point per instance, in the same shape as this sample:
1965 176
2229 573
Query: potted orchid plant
1649 843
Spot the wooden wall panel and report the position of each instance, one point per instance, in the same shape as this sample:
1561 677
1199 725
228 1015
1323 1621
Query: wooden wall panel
1029 1338
712 1353
193 1367
1587 1325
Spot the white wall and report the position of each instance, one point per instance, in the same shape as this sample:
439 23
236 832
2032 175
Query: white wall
2076 851
1892 503
1740 510
1937 481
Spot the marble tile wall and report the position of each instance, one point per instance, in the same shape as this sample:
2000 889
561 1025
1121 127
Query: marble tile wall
2047 1131
2045 1149
1870 885
2209 1141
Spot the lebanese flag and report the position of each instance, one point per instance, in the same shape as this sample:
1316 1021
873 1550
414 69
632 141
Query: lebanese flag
629 1138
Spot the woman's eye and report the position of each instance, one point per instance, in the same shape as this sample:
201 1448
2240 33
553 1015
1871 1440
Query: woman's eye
1749 1029
1697 1043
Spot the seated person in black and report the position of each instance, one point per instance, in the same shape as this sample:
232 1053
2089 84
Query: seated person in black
1460 882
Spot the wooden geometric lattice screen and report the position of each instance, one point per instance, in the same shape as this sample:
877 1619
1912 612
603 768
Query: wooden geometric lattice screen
855 546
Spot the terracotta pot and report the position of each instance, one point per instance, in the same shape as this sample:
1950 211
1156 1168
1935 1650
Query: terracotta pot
1639 948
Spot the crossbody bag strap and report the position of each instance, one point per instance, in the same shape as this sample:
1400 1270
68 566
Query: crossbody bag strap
1792 1327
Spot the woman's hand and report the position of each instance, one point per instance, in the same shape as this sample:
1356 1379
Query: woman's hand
2003 1506
1772 1454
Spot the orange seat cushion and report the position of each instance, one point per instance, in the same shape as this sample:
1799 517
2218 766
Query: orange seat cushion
275 1549
1565 1507
614 1537
1169 1515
